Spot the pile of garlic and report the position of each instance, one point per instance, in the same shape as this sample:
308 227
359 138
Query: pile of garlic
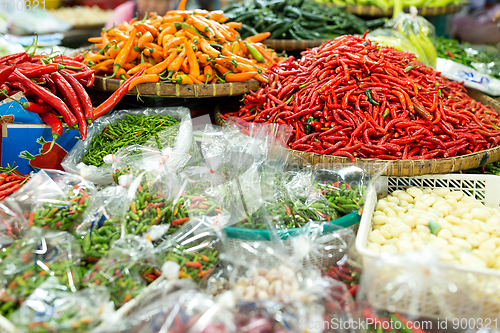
275 284
461 228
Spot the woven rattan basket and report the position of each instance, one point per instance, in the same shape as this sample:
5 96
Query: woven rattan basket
415 167
371 10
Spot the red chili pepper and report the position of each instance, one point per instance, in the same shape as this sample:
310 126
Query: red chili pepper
179 221
53 121
13 56
5 73
82 95
115 97
48 97
69 93
85 68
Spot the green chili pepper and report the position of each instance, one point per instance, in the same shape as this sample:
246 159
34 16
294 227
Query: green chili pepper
370 98
254 52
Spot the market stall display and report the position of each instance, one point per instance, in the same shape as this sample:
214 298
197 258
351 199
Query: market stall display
388 113
182 47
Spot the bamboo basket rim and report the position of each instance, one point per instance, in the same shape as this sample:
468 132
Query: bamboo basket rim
172 90
375 11
413 167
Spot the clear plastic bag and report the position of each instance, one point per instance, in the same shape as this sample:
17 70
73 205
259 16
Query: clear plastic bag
411 33
12 225
32 260
101 224
176 308
53 199
53 307
192 251
102 175
122 269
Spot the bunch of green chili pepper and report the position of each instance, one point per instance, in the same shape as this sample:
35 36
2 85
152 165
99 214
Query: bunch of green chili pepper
32 270
194 265
343 198
129 131
120 274
63 214
296 19
102 233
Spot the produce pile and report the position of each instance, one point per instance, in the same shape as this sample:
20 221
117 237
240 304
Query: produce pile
81 16
449 220
182 47
385 4
353 98
483 58
296 19
11 180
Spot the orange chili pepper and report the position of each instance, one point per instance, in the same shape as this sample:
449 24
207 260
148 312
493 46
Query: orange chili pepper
176 41
180 33
209 71
160 67
177 63
203 27
134 53
264 52
143 27
239 77
182 5
258 38
207 48
122 56
173 18
204 58
193 61
185 65
185 78
233 25
216 14
150 78
95 40
202 78
103 64
135 69
146 38
262 78
195 79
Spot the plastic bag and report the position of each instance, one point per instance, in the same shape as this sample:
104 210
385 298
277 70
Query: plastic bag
53 199
122 269
27 22
176 308
416 284
102 175
192 251
152 189
55 308
35 258
411 33
12 225
101 224
472 78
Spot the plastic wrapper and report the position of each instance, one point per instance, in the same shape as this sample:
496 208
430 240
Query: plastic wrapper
192 251
416 284
411 33
32 260
102 175
101 224
12 225
175 308
123 268
53 199
52 307
283 289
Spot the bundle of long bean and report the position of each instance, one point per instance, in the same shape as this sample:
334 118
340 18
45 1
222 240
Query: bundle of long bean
130 131
353 98
183 47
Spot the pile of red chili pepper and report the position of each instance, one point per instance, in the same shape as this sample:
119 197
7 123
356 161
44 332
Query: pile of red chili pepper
351 97
54 87
10 181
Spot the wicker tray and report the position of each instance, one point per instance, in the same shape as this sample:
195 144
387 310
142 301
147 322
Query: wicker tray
363 10
179 90
292 44
415 167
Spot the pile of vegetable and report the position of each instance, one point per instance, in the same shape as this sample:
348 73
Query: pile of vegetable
385 5
55 88
185 47
483 58
127 132
11 180
354 98
492 169
461 227
296 19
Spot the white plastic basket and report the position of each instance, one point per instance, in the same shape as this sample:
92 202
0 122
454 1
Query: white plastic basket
6 326
481 296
